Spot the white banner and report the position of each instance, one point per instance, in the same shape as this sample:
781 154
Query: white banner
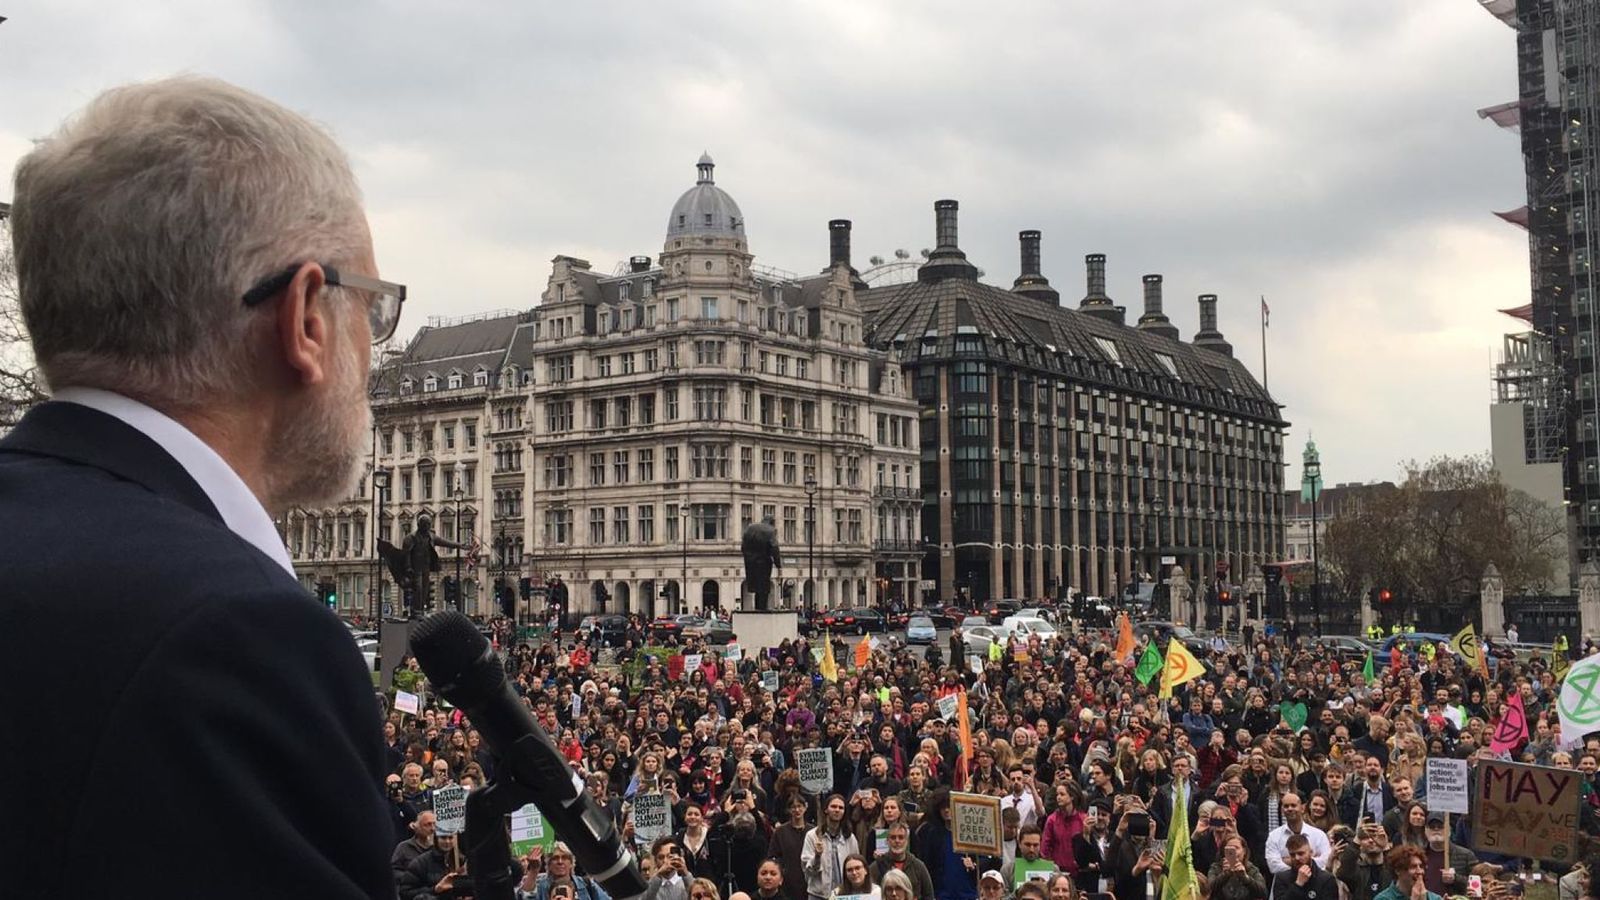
652 817
816 769
450 809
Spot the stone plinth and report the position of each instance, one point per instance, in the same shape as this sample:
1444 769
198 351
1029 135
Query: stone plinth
1491 602
758 630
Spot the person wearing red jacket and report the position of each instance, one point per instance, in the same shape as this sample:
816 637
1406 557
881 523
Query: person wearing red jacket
1060 827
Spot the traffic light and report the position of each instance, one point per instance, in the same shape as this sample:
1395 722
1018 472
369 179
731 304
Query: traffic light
452 591
1384 595
525 586
329 593
1273 575
1225 597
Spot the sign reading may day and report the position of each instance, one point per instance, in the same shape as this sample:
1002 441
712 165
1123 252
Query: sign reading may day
450 809
816 769
1525 810
1448 791
975 824
652 817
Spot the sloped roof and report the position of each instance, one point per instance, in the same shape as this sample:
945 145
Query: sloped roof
928 317
466 346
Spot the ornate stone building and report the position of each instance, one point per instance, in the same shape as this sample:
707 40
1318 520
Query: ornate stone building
450 433
1066 448
675 402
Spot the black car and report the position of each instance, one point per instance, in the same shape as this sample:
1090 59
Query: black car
999 610
604 631
946 616
867 620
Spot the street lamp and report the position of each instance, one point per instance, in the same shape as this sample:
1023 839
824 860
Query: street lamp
459 495
683 529
811 543
380 492
1311 491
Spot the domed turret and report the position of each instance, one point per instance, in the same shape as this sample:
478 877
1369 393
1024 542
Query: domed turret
705 209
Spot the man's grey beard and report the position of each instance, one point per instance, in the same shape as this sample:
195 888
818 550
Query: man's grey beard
318 457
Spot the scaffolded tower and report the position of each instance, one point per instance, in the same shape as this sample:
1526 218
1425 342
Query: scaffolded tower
1551 368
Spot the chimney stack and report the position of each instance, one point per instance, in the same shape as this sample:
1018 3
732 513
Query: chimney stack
1208 336
946 260
839 242
1095 302
944 217
1030 251
1031 283
1154 319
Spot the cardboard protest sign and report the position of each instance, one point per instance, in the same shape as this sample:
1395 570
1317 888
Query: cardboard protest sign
816 769
732 651
691 661
1524 810
450 809
652 817
1447 785
975 824
528 830
947 706
1039 870
769 681
407 702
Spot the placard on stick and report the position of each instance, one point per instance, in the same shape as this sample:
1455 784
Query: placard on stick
652 817
450 809
975 821
528 830
1448 791
816 769
407 702
1524 810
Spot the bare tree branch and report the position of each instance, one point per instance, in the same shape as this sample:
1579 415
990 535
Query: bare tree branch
20 385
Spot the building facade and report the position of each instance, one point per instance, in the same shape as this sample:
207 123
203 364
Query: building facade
1547 411
1063 448
676 401
449 415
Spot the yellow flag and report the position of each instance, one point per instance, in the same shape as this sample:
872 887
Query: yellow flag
830 668
1465 644
1180 668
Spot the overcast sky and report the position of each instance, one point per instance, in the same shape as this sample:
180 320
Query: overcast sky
1324 154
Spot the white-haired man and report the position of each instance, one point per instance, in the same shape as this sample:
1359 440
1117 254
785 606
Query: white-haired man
197 277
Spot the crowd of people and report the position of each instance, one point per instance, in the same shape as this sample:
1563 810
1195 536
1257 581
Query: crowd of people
1092 770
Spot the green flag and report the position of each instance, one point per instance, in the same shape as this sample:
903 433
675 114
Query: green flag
1150 664
1367 673
1181 883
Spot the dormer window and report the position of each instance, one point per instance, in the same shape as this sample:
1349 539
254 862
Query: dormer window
708 219
430 384
681 220
455 380
406 385
622 290
480 377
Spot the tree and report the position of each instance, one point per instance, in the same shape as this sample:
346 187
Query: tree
20 384
1430 538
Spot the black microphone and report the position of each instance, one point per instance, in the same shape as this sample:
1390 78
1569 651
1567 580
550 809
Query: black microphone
462 666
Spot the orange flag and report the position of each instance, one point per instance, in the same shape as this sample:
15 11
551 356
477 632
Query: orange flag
1125 641
964 729
863 652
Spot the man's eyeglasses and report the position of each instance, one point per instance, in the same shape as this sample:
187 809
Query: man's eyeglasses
383 315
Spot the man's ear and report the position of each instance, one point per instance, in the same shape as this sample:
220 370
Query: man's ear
304 327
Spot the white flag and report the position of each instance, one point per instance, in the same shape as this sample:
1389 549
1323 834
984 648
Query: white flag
1579 702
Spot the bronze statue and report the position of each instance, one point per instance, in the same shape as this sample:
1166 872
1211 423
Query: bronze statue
760 547
412 563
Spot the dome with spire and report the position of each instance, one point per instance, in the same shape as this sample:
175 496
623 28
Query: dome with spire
705 209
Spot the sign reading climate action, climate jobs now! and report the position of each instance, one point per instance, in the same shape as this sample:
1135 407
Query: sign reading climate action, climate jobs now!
1524 810
975 824
816 769
1447 785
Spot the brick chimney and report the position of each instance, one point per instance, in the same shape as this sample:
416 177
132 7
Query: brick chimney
1031 283
1154 319
1208 336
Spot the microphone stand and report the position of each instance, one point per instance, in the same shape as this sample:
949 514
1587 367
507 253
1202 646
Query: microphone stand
488 845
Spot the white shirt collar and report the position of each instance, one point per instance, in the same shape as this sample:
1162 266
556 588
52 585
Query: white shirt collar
241 511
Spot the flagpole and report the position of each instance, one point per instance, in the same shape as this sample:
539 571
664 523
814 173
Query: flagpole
1264 342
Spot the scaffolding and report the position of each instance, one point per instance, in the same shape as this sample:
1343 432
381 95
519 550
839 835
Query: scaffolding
1530 376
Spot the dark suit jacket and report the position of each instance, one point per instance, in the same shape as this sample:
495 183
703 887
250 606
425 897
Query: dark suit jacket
181 689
